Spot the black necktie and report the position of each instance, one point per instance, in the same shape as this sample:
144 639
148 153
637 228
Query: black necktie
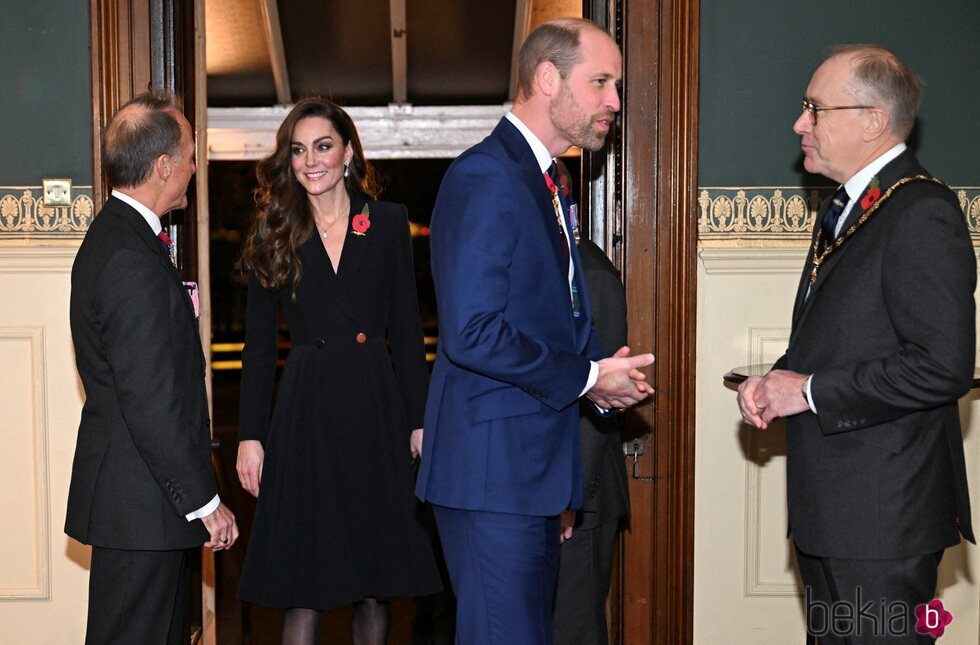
828 223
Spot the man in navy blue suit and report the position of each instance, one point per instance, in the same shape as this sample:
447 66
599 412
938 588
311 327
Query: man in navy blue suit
501 453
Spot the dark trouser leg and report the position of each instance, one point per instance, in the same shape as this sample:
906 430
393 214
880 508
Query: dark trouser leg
136 597
584 571
867 602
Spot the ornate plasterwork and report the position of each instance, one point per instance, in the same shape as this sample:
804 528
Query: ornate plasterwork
23 213
783 215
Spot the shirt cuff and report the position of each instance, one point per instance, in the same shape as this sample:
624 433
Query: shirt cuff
809 394
205 510
593 377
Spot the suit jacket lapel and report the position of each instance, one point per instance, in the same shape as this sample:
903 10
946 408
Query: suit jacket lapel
528 169
530 172
355 244
903 165
317 269
134 220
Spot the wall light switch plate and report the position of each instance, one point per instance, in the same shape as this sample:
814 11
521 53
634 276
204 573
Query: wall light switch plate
57 192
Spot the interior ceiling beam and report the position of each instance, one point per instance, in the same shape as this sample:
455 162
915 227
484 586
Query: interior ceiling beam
522 27
392 132
399 52
277 53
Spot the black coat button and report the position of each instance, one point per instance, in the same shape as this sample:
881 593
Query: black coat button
319 342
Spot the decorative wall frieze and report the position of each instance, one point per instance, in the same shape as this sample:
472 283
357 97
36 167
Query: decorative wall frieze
782 215
24 215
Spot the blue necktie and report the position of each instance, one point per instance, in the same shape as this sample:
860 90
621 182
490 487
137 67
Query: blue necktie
828 223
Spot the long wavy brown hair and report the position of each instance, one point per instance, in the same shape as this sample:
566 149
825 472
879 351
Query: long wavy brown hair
284 220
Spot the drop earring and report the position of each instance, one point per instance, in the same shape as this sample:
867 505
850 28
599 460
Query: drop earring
346 170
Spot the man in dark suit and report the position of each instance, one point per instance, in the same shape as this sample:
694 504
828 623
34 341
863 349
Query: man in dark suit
501 455
142 486
881 348
585 561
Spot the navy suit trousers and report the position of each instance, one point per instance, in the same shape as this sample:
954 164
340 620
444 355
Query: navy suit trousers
503 569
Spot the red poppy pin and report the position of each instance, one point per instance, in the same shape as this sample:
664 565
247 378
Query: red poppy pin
362 221
564 185
872 194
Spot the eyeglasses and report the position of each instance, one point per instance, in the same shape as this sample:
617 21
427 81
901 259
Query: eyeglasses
812 108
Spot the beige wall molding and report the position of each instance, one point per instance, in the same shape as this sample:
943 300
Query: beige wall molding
753 260
25 567
781 215
768 568
27 256
23 213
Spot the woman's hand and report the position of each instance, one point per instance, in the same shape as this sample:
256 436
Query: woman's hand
251 456
415 443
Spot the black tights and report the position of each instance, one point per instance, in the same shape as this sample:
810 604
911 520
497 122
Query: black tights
368 624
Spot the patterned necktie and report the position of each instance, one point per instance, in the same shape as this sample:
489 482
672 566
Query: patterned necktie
551 179
168 244
828 223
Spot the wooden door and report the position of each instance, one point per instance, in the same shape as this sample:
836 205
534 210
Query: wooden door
642 204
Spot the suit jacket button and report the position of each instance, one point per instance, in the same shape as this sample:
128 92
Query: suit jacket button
319 342
361 338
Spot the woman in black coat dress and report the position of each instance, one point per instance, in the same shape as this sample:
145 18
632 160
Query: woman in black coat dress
331 463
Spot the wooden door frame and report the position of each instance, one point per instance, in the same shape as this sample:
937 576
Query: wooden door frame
645 216
660 137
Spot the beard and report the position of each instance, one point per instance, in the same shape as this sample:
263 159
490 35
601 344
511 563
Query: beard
577 127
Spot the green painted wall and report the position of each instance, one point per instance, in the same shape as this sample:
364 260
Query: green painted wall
45 81
757 57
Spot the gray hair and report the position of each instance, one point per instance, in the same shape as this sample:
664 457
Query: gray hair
144 128
880 78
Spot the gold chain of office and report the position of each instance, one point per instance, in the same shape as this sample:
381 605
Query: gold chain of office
818 258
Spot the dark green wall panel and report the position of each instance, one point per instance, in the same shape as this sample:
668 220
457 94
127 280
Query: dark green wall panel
46 106
757 57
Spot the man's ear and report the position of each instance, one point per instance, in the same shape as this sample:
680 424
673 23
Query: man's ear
877 125
547 78
163 166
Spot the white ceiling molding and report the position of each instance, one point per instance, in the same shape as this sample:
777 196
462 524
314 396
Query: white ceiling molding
392 132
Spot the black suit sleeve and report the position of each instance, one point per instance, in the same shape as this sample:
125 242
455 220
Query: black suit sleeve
929 277
258 362
405 328
608 300
147 332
